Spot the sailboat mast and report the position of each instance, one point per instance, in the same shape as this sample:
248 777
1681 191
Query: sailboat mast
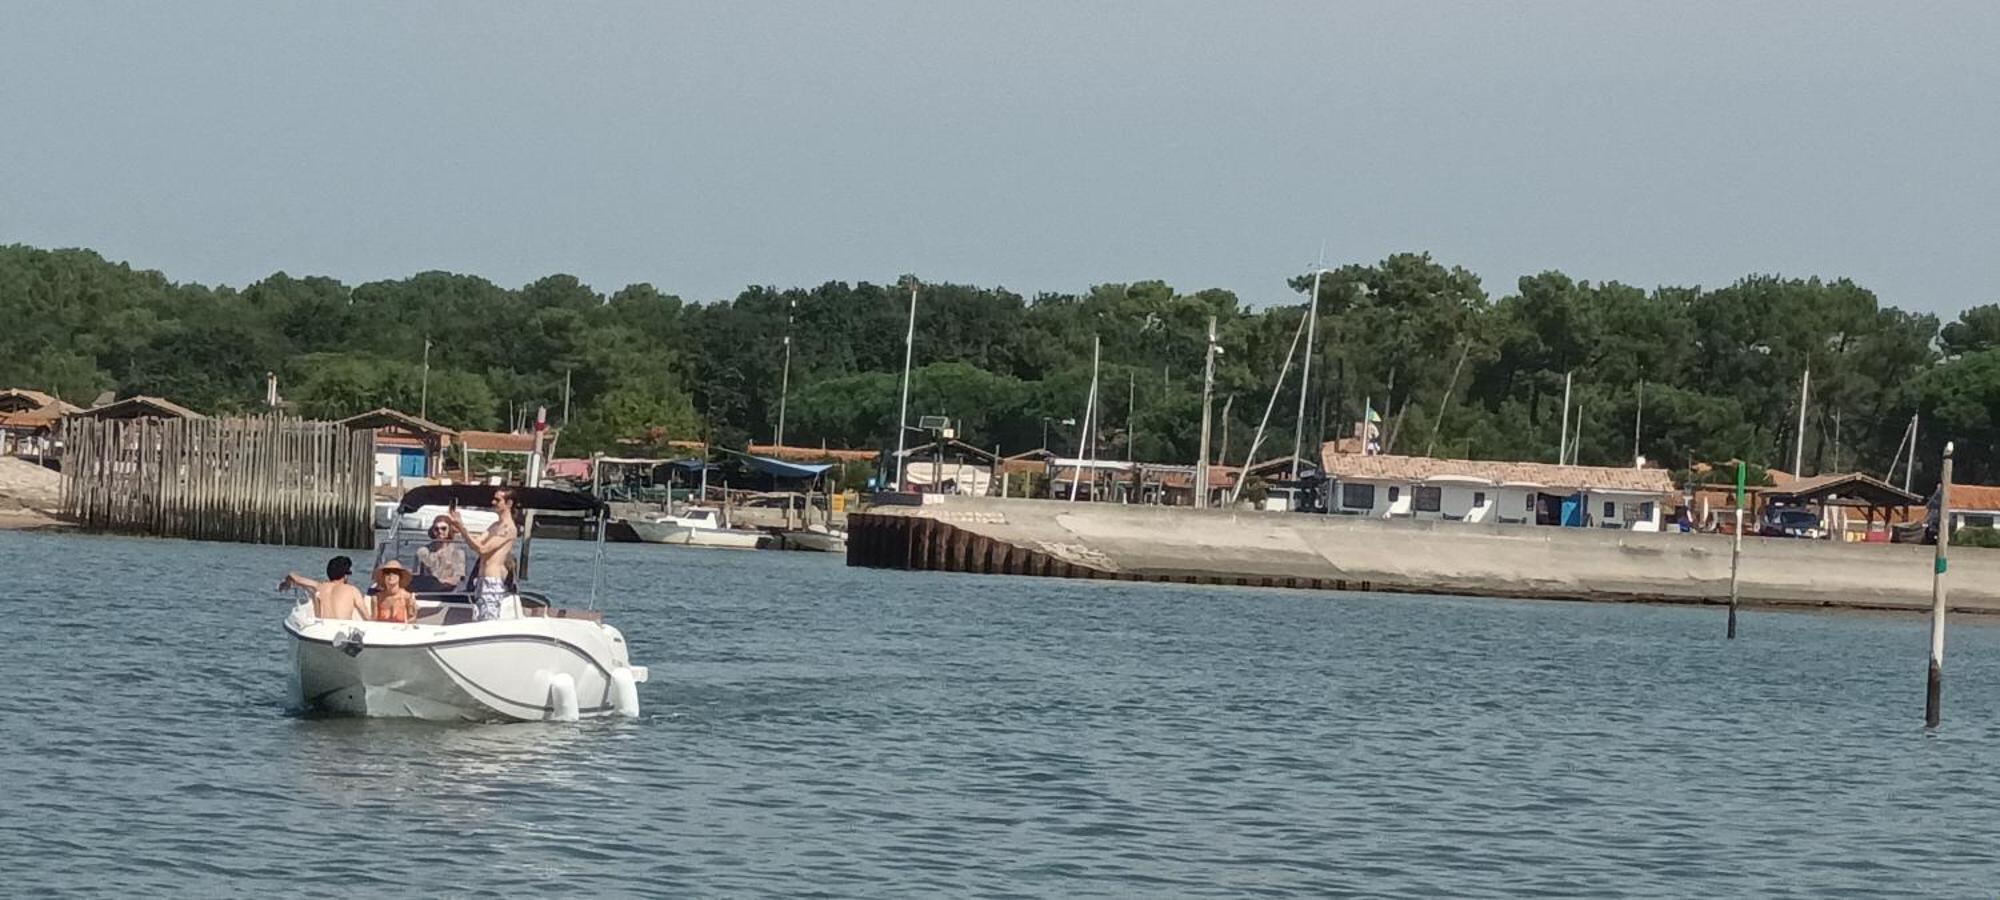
1910 468
1562 443
1799 448
785 380
1083 429
1638 420
1207 405
903 417
1257 440
1306 371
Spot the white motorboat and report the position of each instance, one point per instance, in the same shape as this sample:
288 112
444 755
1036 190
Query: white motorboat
820 538
696 526
536 662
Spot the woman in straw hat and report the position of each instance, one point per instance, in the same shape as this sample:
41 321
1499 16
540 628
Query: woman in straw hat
393 600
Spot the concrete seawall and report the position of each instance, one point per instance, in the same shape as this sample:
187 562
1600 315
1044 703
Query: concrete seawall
1146 543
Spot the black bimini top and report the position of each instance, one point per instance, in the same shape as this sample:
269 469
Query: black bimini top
480 496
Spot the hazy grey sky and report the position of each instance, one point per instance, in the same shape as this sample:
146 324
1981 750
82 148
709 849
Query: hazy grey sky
708 146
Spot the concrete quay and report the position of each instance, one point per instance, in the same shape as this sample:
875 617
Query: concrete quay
1243 547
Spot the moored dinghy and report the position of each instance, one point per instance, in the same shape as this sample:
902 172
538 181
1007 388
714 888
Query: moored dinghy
536 662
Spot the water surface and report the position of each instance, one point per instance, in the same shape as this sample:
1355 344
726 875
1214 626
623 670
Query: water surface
815 730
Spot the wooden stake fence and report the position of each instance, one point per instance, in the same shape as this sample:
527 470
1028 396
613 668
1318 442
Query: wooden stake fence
264 480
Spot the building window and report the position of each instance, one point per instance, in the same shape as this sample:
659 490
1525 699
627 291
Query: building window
1478 498
1357 496
1428 499
1610 511
1646 511
1529 503
1976 522
1395 493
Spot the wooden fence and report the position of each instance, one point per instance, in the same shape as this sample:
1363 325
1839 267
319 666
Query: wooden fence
265 480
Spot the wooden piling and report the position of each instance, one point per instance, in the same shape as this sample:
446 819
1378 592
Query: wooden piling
258 480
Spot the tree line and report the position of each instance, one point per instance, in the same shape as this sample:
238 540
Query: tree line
1679 375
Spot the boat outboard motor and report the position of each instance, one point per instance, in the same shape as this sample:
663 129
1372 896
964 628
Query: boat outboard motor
348 641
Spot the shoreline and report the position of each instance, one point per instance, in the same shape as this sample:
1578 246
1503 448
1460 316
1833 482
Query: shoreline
32 520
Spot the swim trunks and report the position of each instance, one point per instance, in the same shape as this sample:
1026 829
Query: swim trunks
487 599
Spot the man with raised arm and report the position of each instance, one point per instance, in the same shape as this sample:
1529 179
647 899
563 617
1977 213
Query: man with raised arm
494 549
333 598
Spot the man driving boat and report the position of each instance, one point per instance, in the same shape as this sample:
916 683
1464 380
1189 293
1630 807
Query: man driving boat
494 549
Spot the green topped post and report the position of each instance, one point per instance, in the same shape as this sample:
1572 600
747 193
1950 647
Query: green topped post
1736 550
1934 685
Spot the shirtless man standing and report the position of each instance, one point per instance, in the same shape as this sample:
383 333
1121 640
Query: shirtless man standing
333 598
494 549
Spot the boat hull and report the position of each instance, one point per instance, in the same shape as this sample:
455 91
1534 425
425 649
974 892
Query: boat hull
818 541
503 670
672 533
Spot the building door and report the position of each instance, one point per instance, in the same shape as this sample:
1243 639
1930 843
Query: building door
1572 507
410 463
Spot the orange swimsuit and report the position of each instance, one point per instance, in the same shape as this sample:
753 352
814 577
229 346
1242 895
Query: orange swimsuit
387 610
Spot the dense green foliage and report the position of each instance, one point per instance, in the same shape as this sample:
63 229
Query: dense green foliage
1985 538
1719 368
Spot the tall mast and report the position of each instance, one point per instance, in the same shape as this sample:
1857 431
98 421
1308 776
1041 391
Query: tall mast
903 417
785 381
1799 449
1306 372
1910 470
1638 419
1562 444
1257 440
1207 404
1083 431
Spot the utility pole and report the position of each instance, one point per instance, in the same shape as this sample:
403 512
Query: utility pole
903 416
1207 403
1306 375
566 377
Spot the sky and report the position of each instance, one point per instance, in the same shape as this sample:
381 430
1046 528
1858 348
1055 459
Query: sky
1035 146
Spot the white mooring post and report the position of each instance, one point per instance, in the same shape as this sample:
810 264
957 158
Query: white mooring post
1934 687
1735 564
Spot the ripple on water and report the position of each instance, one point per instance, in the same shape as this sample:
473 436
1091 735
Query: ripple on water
815 730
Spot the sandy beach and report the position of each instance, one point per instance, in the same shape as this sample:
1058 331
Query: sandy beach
29 495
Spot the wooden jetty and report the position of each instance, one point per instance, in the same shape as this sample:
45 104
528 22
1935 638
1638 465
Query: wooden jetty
263 480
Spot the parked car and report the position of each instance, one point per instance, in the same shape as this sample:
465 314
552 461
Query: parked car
1790 522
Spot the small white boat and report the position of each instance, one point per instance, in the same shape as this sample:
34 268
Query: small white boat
696 526
535 662
819 538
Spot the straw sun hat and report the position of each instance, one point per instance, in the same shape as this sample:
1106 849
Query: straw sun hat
397 567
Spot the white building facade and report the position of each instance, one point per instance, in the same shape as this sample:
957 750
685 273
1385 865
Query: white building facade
1497 493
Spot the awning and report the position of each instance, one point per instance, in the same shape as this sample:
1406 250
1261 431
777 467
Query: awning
480 496
776 468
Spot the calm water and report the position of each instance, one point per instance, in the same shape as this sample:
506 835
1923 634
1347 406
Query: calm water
818 730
